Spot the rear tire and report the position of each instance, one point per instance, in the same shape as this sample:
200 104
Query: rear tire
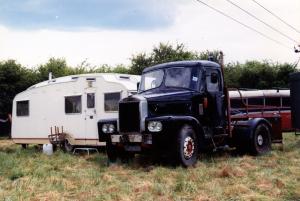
187 146
261 141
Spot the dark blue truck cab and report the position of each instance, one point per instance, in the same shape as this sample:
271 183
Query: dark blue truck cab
181 108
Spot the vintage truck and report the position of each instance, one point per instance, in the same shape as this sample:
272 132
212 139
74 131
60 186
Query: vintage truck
181 109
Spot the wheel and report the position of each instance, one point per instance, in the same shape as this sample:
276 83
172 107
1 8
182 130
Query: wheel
68 147
187 146
112 152
261 141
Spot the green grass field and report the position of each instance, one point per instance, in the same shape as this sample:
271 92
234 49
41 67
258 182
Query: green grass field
30 175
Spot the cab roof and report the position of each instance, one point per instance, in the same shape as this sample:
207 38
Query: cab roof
191 63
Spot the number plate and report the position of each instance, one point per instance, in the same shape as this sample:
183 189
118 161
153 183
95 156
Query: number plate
115 138
135 138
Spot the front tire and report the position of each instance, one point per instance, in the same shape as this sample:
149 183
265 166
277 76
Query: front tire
112 152
186 146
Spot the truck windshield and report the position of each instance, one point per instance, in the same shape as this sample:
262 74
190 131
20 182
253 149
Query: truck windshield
180 77
151 80
176 77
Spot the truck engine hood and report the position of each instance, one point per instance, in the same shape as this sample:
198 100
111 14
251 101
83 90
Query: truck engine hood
177 102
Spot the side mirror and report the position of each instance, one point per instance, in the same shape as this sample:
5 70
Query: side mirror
214 78
137 86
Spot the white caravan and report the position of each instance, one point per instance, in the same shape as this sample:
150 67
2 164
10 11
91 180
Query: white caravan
75 103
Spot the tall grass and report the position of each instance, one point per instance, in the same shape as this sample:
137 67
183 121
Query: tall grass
30 175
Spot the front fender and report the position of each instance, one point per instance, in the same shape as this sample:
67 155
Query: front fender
173 123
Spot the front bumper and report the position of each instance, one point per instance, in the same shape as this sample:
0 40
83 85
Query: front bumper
131 138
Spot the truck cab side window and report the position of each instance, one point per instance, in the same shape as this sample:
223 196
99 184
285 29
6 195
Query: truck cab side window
213 81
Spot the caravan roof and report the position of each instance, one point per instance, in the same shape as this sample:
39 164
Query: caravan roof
125 79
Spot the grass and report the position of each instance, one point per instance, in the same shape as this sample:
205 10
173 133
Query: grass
30 175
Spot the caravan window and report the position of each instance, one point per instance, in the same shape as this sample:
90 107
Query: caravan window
111 101
73 104
23 108
90 100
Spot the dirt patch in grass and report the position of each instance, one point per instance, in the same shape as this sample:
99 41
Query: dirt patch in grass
230 171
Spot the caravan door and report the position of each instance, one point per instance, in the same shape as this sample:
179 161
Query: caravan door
90 116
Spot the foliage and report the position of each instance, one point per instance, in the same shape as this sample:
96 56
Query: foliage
13 79
165 53
58 68
258 75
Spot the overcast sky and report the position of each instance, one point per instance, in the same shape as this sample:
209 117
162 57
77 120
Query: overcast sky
111 31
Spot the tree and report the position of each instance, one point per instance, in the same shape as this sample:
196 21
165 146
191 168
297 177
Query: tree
139 62
166 53
13 79
258 75
232 74
283 72
57 66
121 69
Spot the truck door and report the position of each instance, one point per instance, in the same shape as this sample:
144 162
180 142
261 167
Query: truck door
216 97
90 114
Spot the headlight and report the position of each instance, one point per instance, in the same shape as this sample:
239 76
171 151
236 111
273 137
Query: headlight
154 126
108 128
111 128
104 128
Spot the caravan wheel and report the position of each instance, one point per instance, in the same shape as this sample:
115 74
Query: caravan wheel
68 147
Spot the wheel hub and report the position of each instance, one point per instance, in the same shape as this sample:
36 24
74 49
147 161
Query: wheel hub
188 147
260 140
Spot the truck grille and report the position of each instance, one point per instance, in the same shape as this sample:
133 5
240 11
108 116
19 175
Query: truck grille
129 117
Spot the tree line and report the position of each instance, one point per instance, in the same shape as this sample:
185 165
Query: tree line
15 78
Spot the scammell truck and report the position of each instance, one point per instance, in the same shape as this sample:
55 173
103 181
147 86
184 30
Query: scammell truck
183 108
